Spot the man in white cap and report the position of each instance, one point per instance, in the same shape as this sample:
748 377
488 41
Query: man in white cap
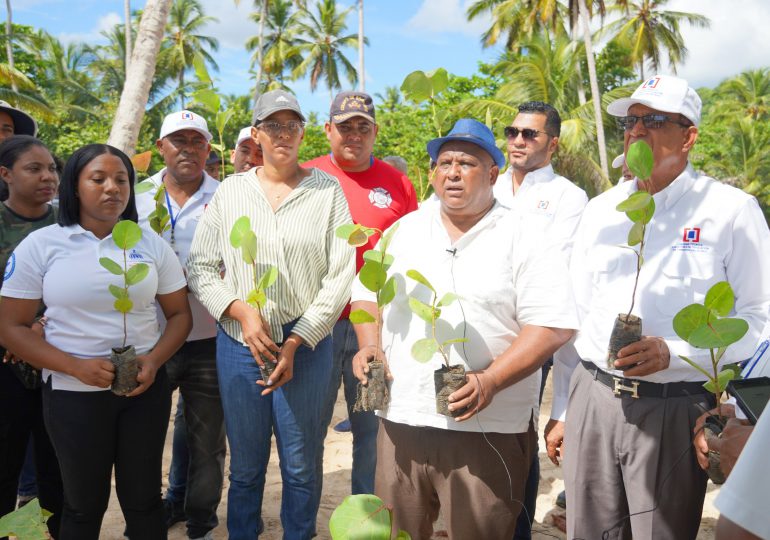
15 122
247 154
184 146
629 468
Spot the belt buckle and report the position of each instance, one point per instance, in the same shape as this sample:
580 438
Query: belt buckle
619 387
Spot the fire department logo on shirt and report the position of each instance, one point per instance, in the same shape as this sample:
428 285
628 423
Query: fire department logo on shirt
10 266
691 235
542 205
380 197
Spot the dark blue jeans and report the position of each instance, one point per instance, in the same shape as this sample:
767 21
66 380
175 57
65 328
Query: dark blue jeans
293 413
193 370
180 457
364 425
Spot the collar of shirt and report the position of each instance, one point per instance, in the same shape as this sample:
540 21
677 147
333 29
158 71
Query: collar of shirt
496 212
209 185
504 192
670 195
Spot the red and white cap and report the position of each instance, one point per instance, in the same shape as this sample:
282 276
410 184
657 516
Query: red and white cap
180 120
663 93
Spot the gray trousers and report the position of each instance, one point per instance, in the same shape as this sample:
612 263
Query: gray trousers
626 456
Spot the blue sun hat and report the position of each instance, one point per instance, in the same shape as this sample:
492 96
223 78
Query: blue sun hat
472 131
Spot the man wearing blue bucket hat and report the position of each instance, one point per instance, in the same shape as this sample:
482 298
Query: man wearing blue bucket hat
514 308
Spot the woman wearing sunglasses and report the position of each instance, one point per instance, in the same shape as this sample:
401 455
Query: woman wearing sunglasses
294 213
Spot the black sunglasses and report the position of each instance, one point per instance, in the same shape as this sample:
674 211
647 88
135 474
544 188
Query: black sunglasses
528 134
650 121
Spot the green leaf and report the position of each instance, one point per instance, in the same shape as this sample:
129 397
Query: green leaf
636 234
636 201
199 65
208 99
358 238
644 215
344 231
360 316
387 293
126 234
417 87
422 310
361 517
447 299
256 298
689 319
241 226
419 278
424 349
221 120
111 266
720 298
118 292
403 535
268 278
123 305
388 236
724 377
26 523
439 80
719 333
372 276
249 247
144 187
379 257
639 159
137 273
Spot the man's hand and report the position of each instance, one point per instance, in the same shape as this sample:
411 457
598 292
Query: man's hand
554 440
477 393
148 368
730 443
699 436
361 363
648 355
94 371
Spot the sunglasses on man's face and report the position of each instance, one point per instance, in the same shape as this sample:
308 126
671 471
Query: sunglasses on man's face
650 121
528 134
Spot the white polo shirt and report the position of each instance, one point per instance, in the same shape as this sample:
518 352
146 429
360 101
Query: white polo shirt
743 498
60 265
506 278
547 199
185 220
702 232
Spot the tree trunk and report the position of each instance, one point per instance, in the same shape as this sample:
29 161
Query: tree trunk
133 99
127 16
261 50
9 44
595 96
181 88
361 76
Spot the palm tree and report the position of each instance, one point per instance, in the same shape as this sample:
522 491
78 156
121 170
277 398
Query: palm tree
649 31
133 99
321 41
278 52
389 101
747 94
183 41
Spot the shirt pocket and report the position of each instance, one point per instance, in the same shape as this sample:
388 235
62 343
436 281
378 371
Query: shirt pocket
603 262
685 278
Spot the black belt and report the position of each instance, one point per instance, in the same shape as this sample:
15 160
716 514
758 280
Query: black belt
621 386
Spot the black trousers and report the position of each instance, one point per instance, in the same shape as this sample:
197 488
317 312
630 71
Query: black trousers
91 432
21 414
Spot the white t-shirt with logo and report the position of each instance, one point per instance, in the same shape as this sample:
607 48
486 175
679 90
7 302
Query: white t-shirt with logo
60 265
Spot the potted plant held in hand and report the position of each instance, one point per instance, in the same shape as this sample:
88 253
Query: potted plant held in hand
447 379
244 239
126 234
374 276
706 326
639 207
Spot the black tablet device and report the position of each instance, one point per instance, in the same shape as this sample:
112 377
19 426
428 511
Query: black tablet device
752 395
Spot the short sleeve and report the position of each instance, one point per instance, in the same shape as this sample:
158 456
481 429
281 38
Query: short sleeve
170 273
24 270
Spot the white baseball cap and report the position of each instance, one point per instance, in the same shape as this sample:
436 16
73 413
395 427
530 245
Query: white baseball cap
177 121
244 134
618 161
662 93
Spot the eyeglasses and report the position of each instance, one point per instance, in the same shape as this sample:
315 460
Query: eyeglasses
650 121
364 128
199 143
274 129
528 134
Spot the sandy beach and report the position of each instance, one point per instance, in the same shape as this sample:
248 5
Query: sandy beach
337 464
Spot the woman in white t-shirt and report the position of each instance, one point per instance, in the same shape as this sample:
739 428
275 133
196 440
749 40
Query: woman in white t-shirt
91 428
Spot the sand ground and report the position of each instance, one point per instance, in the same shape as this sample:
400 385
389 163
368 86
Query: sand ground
337 464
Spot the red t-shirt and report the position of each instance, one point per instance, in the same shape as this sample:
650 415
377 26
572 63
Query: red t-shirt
377 197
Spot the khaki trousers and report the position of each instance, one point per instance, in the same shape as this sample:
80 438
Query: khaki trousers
478 488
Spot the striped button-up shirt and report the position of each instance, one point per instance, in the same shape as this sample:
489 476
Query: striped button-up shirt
315 268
